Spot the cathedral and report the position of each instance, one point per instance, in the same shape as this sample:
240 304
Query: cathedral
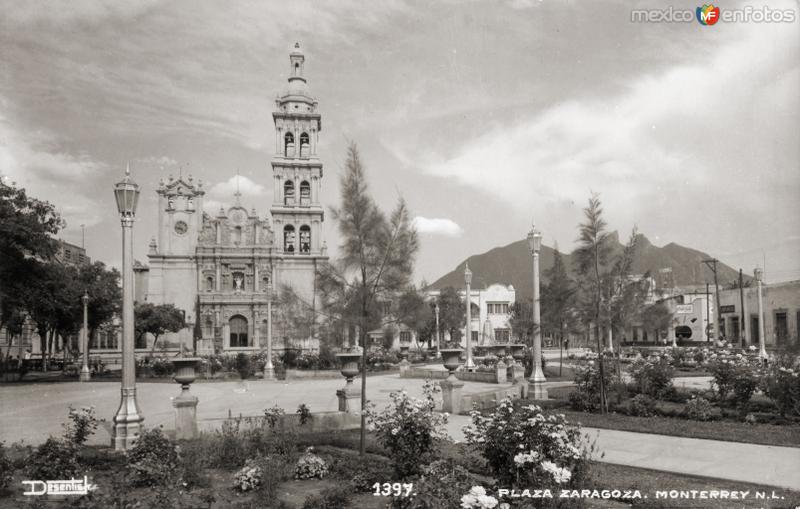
226 269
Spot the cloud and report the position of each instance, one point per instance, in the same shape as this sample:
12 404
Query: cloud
49 172
237 183
437 226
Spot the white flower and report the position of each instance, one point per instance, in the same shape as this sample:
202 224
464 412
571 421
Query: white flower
478 499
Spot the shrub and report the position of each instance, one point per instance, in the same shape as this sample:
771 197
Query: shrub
587 387
523 447
288 357
744 385
478 499
653 376
699 409
161 367
328 498
249 476
6 468
783 388
642 405
54 459
310 466
408 428
327 357
305 413
243 365
81 424
441 486
153 460
273 415
275 470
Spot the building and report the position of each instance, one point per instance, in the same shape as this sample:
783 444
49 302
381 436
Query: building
490 313
781 306
70 254
692 317
219 267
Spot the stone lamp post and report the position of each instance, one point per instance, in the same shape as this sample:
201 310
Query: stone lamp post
85 375
470 363
762 340
269 369
537 377
128 419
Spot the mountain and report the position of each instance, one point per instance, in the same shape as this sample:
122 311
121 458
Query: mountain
512 264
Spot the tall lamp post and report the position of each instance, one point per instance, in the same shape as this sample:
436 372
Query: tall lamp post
438 345
762 340
128 420
537 376
85 375
269 369
469 364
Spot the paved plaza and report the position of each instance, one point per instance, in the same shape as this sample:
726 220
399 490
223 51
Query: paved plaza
31 412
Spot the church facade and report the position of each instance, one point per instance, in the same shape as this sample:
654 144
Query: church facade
225 270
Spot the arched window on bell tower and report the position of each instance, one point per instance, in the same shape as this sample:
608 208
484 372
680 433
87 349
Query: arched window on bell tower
288 193
288 145
305 193
305 147
305 239
288 239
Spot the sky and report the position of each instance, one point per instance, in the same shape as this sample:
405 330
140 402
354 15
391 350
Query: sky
484 115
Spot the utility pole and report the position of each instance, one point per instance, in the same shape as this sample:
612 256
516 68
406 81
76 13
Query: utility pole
708 314
712 264
743 328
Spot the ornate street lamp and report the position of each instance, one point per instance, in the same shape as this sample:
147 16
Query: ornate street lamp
85 375
762 340
128 420
438 346
469 364
537 376
269 369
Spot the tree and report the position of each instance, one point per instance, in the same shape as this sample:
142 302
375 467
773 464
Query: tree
414 312
105 294
656 318
557 300
521 320
26 229
295 318
376 259
452 314
156 319
591 256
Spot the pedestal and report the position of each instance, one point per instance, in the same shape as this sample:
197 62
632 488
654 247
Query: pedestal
404 367
517 372
349 399
502 372
523 386
451 394
269 373
185 415
538 391
85 374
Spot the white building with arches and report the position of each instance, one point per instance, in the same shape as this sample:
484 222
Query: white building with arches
218 267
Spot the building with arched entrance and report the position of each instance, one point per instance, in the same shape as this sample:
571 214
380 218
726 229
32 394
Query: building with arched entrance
218 267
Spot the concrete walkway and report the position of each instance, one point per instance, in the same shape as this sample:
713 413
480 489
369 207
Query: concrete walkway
32 412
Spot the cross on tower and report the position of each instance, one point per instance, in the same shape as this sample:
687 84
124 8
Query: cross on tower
238 193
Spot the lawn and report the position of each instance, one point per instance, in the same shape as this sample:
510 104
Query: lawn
731 431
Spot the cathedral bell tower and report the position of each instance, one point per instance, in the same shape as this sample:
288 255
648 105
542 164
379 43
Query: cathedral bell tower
297 171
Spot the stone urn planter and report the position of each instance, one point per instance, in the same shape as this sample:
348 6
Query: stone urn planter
517 351
499 350
185 370
185 404
350 362
404 350
451 359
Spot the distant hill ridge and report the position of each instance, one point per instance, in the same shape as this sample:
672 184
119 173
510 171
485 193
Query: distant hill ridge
511 264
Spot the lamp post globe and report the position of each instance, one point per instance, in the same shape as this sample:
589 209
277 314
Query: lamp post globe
537 375
470 363
128 419
85 375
